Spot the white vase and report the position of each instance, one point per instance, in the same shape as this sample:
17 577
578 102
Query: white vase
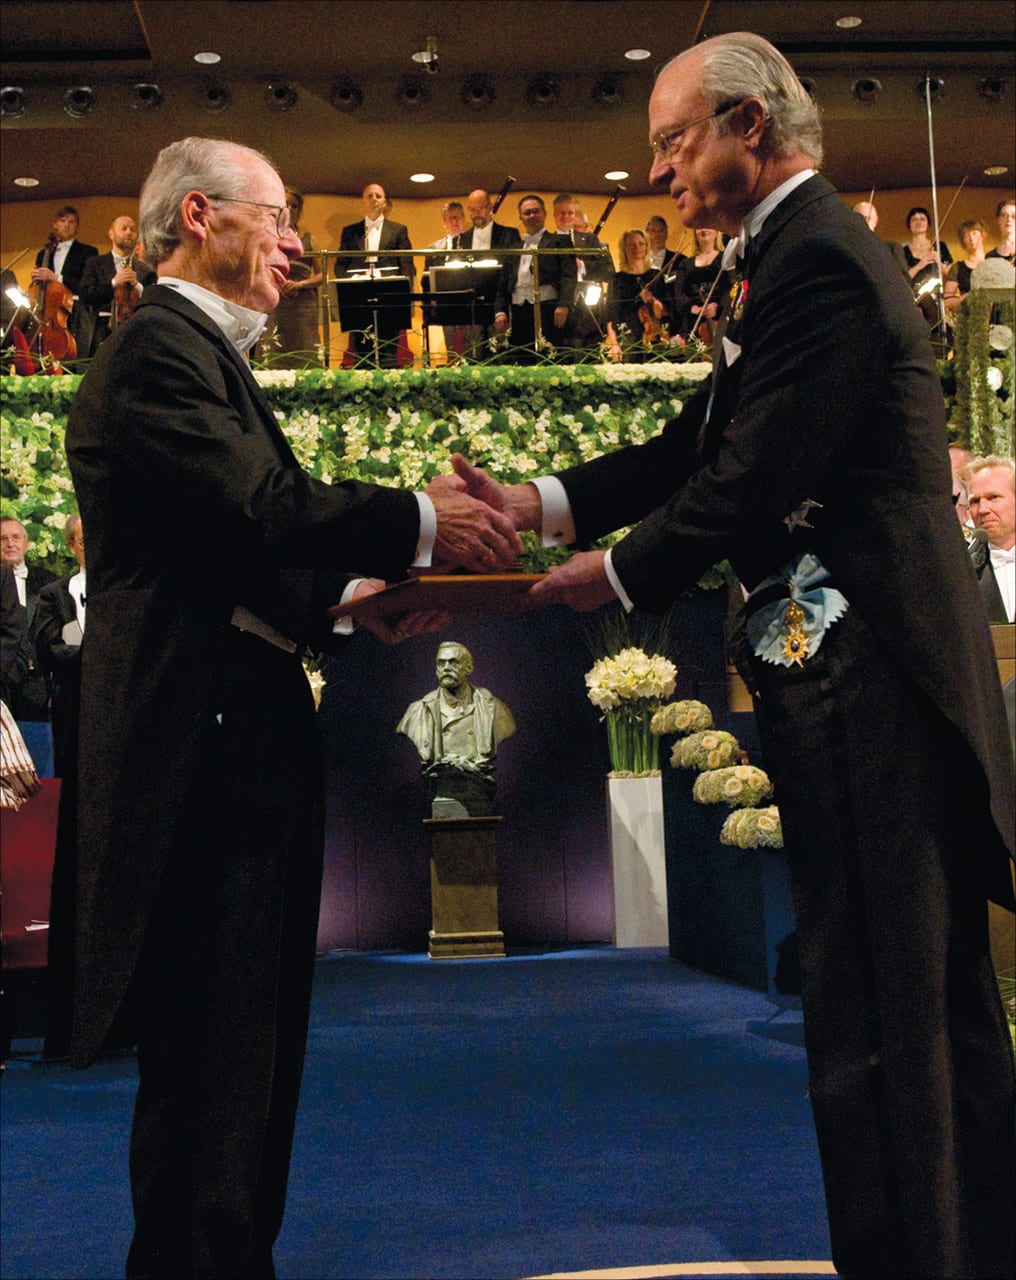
635 806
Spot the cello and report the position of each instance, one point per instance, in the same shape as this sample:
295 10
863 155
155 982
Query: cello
45 338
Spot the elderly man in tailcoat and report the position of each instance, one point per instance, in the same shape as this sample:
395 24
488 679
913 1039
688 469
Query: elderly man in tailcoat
878 701
201 797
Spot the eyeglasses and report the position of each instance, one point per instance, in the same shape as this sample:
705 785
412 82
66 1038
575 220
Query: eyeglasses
282 218
664 145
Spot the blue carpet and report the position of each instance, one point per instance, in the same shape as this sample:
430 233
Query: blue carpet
554 1112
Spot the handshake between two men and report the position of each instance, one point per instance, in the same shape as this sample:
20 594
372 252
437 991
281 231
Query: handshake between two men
478 525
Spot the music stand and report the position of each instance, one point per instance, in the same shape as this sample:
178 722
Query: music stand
462 293
375 304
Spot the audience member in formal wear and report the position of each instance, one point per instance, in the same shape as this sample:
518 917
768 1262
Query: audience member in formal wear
293 338
697 292
106 274
992 504
60 625
24 686
453 217
815 461
587 320
514 304
970 234
59 628
1005 214
62 259
201 795
388 243
637 312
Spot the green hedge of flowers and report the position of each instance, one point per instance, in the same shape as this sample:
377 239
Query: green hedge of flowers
396 427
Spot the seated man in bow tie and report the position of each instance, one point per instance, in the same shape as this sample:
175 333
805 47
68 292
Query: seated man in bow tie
103 276
22 684
992 505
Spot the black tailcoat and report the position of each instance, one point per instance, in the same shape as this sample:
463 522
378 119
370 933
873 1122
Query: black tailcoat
888 749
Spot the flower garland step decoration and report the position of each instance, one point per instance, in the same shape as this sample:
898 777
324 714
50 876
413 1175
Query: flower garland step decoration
725 776
742 786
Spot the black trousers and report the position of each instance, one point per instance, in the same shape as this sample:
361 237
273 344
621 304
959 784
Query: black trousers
911 1068
223 990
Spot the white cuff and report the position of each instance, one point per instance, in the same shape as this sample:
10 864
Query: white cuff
558 527
615 581
428 532
345 626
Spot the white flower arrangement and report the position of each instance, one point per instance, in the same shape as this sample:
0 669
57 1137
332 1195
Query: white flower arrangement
742 786
714 749
753 829
627 687
687 716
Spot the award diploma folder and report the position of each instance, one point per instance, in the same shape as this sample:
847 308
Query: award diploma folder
456 592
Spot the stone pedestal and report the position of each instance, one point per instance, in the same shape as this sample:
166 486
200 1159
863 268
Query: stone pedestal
635 807
463 888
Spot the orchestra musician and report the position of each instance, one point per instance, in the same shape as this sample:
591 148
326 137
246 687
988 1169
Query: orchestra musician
111 286
62 259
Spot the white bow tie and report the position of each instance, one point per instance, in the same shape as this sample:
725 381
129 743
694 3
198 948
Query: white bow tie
21 570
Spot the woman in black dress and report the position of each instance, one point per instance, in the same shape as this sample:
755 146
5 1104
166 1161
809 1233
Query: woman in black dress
695 282
637 314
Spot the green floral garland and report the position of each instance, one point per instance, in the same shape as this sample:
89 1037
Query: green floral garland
984 368
396 426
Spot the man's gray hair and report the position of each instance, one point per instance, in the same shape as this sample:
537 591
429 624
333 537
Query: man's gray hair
743 65
192 164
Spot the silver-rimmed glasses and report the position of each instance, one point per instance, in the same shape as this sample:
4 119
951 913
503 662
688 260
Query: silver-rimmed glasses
282 215
665 143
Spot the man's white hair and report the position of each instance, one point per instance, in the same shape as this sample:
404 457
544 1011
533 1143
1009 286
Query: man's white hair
192 164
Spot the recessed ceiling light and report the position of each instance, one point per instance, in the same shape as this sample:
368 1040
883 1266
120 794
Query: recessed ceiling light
421 177
847 24
208 59
34 182
637 55
616 175
996 170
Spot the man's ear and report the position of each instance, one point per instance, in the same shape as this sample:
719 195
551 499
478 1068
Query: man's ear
750 117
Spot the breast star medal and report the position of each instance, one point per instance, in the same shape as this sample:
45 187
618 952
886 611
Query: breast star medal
795 642
738 297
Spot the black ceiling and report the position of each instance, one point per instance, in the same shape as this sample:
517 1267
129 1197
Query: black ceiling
587 114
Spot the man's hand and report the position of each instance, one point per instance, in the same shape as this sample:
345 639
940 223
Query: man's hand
560 317
520 502
581 583
395 630
470 534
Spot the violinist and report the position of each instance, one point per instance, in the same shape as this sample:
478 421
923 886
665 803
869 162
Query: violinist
637 311
694 282
111 286
1006 247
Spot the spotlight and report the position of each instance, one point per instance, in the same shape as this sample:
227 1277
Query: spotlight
215 97
866 90
145 97
412 93
427 56
346 96
992 89
930 85
478 92
608 92
13 101
280 96
79 101
543 90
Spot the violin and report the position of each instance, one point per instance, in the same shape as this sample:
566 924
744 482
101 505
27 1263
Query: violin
649 317
125 301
